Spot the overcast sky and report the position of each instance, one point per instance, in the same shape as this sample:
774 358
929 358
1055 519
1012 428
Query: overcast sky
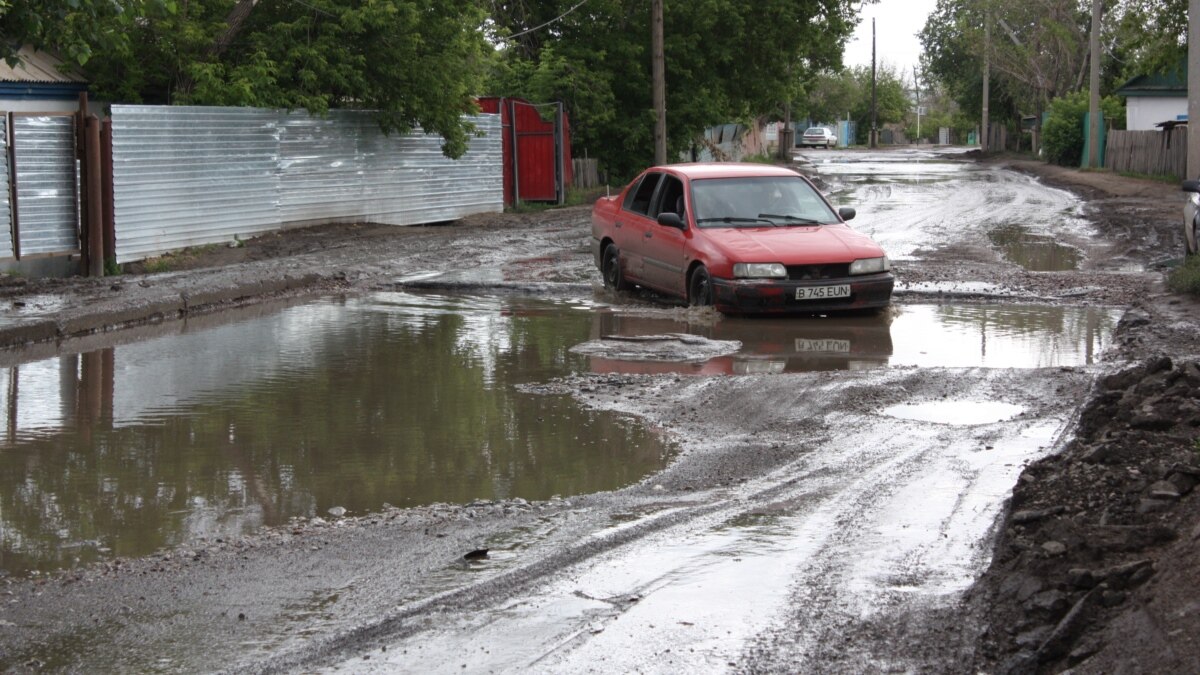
897 23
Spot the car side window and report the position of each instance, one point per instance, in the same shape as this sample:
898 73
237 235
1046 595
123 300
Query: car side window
670 197
638 199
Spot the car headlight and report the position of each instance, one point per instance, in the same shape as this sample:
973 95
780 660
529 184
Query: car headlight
870 265
759 271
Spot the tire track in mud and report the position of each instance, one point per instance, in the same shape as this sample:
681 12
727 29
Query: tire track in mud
793 530
913 219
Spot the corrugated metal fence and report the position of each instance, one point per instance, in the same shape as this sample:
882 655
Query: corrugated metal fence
47 208
187 176
6 243
1154 153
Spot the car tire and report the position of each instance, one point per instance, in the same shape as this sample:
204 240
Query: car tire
700 291
610 269
1190 245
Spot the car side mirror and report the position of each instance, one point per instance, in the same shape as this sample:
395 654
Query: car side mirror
847 213
671 219
1191 186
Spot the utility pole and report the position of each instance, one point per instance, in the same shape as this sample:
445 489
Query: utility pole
1193 59
987 75
658 67
917 86
1093 158
874 140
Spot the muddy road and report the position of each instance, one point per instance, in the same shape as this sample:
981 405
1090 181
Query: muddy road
291 456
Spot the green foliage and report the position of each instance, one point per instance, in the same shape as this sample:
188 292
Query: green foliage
1147 36
1062 136
1186 277
76 29
1037 52
419 63
726 61
833 95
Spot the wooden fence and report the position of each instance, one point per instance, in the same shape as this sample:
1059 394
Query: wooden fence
587 173
1154 153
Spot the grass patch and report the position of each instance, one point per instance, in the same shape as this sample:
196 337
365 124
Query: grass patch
1172 180
160 263
575 197
1186 277
762 159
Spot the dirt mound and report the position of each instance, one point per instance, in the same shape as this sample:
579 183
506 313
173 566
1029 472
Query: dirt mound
1097 560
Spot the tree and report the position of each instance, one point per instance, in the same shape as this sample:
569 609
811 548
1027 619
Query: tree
414 62
726 61
76 29
1147 36
833 95
1038 51
1062 138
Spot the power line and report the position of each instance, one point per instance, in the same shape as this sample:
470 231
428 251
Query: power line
554 20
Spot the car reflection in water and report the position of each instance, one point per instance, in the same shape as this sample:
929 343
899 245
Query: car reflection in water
768 345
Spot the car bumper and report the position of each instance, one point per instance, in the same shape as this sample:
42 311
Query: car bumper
769 296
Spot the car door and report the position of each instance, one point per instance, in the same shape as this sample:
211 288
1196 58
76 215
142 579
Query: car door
662 245
632 224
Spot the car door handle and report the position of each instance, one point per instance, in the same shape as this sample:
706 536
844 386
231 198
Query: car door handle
649 234
617 224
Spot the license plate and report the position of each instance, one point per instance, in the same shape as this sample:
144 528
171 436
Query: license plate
823 292
807 345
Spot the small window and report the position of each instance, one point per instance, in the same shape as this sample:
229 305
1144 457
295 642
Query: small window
670 197
638 199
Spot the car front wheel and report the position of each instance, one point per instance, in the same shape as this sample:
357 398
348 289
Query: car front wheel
611 269
700 292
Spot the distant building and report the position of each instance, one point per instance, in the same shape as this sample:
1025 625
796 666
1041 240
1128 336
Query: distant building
1153 99
39 83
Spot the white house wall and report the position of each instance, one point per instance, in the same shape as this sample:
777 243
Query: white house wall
1143 112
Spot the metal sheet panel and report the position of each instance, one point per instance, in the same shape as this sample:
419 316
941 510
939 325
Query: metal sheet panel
344 169
6 241
187 176
47 207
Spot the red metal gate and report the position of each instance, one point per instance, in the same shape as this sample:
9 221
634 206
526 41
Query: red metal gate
537 152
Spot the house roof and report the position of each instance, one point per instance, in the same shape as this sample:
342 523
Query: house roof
39 67
1172 84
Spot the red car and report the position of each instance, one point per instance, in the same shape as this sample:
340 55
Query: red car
746 238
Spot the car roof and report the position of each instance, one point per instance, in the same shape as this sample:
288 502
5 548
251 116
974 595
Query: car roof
701 170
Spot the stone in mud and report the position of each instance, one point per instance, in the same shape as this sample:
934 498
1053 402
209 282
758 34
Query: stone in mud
1164 489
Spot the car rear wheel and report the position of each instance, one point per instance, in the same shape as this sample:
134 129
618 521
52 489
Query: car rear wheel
611 269
1190 245
700 293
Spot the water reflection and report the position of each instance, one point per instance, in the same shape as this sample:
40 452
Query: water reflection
215 427
993 336
1034 252
393 398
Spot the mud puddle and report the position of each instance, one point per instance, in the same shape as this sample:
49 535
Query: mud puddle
340 404
920 202
1034 252
926 335
405 399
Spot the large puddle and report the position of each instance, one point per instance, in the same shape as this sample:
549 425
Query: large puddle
213 428
920 201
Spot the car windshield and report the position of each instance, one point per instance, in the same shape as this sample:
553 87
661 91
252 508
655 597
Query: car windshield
815 131
759 201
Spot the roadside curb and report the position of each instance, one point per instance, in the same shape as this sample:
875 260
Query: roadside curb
174 301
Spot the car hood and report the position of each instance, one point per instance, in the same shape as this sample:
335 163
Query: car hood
794 245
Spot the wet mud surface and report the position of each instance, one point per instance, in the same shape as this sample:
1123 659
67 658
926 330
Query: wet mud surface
837 518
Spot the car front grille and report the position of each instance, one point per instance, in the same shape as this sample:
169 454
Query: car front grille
815 272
